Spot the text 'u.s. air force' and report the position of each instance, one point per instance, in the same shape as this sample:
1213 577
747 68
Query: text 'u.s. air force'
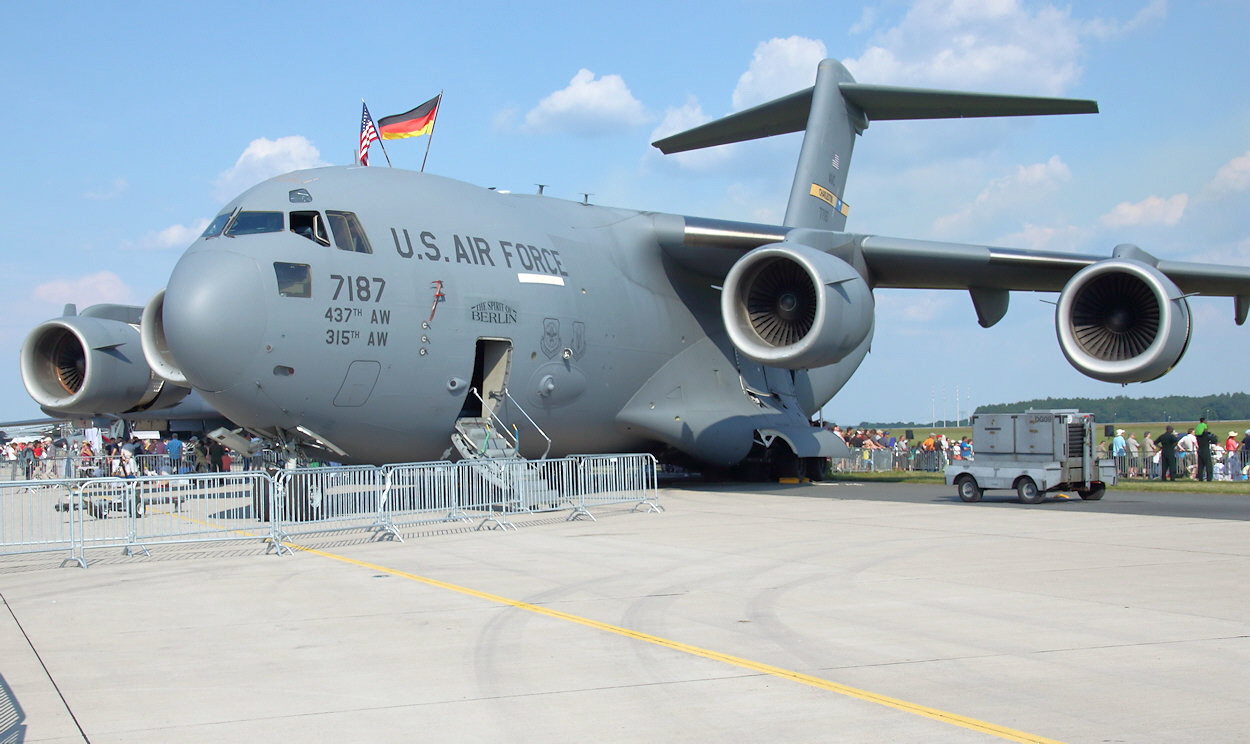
478 251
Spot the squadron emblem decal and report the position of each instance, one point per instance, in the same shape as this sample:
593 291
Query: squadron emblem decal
550 344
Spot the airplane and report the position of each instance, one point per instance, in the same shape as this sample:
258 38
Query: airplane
383 315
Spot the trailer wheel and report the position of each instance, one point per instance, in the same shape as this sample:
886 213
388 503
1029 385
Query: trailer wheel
1094 493
1027 491
967 488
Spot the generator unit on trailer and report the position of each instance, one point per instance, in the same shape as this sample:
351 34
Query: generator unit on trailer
1034 452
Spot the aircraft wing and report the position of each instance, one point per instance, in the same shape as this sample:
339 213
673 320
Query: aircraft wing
1120 318
982 270
711 247
920 264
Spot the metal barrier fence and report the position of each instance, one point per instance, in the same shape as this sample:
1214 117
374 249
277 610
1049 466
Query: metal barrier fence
74 516
1225 465
104 466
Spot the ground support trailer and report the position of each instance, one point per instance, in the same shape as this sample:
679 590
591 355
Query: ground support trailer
1034 453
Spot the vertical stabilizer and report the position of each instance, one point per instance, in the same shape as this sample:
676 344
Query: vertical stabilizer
820 178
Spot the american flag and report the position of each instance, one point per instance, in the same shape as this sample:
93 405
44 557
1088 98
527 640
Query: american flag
368 134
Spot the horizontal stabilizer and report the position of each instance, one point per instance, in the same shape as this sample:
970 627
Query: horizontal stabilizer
877 102
884 102
782 116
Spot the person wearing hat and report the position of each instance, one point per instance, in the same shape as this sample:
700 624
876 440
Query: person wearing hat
1232 463
1118 451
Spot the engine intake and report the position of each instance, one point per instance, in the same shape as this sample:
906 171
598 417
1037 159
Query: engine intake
791 306
92 364
1122 321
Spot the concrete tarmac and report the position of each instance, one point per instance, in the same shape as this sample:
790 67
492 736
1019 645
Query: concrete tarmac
811 613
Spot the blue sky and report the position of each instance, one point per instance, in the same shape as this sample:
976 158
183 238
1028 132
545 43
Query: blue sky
127 125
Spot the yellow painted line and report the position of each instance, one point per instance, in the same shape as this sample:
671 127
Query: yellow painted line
984 727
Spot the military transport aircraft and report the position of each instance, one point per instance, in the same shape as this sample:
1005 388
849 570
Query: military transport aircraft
384 315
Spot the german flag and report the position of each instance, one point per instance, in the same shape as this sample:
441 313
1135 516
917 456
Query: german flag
413 123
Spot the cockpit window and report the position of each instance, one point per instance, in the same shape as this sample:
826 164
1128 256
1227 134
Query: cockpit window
349 235
310 225
253 223
294 280
216 226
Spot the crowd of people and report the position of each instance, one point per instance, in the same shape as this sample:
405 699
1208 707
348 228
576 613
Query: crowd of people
1198 454
123 457
931 453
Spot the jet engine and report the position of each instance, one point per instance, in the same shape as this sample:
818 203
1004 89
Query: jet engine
1122 321
93 364
788 305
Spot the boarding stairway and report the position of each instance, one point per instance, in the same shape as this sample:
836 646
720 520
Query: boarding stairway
493 452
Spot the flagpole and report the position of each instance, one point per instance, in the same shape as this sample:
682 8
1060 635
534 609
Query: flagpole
384 152
433 124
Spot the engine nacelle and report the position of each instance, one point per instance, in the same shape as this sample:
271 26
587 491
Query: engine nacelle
1122 321
791 306
155 348
92 364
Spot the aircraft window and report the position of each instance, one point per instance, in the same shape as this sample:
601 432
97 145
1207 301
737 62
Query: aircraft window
216 226
310 225
349 235
294 280
252 223
299 196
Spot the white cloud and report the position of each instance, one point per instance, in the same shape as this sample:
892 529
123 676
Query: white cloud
1020 189
265 158
112 191
1047 238
778 67
680 119
1232 178
1154 210
903 309
174 236
1102 28
975 45
587 107
867 19
103 286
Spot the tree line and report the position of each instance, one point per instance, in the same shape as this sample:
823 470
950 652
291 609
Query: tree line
1221 407
1185 408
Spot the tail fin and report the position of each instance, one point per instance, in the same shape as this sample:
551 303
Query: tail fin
832 112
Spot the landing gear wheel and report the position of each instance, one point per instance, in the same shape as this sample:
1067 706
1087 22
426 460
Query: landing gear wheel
1026 491
1094 493
968 489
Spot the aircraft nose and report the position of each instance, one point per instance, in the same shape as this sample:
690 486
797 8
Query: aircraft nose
213 316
